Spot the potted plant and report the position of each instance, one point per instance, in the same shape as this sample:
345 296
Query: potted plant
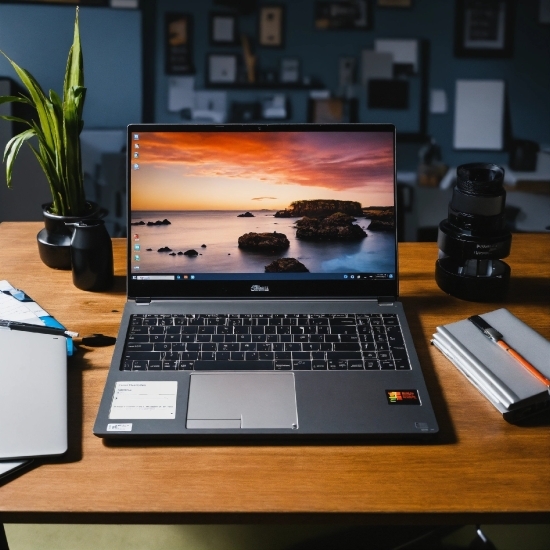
53 134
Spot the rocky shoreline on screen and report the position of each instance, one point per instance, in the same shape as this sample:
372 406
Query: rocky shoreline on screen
320 208
158 222
264 241
338 226
286 265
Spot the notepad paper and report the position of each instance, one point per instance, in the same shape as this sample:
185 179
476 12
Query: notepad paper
15 305
509 386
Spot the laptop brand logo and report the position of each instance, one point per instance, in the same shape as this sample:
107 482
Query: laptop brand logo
402 397
259 288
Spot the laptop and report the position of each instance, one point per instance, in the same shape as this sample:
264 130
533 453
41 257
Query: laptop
263 288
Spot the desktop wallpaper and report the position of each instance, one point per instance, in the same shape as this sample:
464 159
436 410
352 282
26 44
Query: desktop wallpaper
253 202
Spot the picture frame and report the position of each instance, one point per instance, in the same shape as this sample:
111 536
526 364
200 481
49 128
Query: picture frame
178 51
343 15
332 110
271 26
223 29
484 28
290 70
221 68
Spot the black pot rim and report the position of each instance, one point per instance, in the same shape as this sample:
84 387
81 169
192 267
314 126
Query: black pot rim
93 210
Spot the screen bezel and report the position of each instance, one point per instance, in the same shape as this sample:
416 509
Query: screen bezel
217 289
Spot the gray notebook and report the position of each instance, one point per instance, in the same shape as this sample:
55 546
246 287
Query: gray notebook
33 394
509 386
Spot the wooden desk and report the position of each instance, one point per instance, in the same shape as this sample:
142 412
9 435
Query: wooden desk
481 470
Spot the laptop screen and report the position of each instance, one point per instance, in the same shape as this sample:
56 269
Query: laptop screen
261 210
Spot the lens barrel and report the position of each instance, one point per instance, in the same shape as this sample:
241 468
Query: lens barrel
474 237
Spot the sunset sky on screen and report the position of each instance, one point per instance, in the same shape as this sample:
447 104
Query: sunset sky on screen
253 171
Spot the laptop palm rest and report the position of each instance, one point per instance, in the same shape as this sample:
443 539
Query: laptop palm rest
242 400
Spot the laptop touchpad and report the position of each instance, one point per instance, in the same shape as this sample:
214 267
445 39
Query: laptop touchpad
232 400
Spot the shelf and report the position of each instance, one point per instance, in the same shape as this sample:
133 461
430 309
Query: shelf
263 86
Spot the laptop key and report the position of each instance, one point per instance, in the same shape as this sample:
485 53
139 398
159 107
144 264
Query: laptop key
301 365
142 355
337 364
335 355
317 364
234 365
402 365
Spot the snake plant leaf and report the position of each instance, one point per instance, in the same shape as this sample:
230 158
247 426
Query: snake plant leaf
15 119
74 73
13 98
12 149
37 96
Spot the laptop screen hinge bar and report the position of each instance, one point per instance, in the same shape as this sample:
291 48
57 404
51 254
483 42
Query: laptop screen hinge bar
143 301
386 301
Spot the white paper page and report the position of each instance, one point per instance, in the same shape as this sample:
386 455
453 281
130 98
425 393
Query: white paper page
181 93
479 115
144 400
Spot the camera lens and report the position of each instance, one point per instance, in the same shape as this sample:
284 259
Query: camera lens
474 236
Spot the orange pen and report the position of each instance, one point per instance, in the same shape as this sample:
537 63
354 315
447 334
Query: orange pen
496 337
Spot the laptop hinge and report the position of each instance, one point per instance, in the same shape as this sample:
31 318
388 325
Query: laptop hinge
386 301
143 301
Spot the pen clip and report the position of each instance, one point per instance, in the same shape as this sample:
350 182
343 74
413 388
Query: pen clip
485 328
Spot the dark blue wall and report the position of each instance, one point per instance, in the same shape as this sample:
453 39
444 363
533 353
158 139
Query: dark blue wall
526 74
38 39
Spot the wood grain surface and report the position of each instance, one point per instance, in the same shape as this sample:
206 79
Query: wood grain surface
480 469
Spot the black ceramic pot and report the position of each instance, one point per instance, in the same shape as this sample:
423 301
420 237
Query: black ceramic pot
54 241
91 255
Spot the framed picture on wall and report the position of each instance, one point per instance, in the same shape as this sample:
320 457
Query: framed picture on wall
484 28
221 69
343 15
271 21
178 58
290 70
223 29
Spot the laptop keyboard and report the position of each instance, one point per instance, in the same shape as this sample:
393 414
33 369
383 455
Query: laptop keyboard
366 342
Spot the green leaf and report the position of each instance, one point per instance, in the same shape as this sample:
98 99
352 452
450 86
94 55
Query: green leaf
74 73
12 149
10 98
15 119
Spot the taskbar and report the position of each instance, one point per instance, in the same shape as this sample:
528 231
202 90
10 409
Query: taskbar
262 276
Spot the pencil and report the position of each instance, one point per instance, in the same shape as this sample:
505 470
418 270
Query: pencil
496 337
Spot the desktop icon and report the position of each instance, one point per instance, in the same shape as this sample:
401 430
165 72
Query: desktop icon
136 166
137 247
136 257
136 236
136 155
345 276
136 136
136 145
192 277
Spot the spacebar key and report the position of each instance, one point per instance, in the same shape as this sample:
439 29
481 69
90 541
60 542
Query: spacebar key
234 365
